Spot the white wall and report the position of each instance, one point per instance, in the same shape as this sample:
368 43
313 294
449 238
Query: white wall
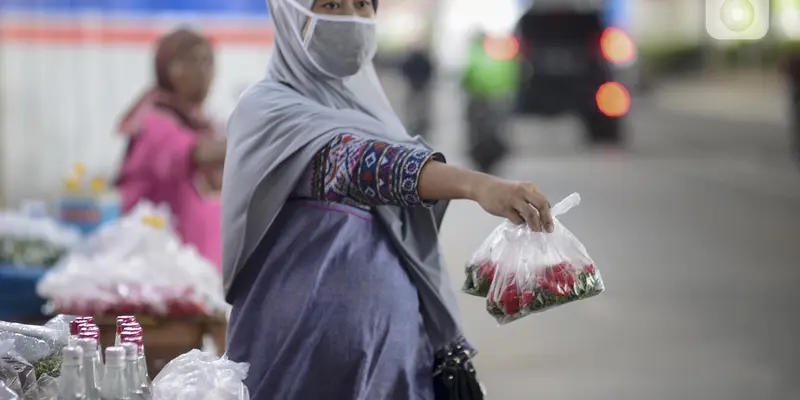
60 104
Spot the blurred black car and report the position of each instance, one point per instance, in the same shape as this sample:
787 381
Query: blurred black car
573 63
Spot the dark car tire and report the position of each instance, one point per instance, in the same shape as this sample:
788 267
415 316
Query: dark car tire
603 130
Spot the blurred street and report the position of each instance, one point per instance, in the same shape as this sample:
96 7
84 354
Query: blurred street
695 231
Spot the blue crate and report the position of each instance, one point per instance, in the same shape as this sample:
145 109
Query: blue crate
18 298
86 213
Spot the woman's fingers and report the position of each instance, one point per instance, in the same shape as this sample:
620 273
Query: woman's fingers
545 214
515 218
530 214
536 199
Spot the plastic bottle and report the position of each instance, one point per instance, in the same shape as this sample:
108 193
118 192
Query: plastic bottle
115 384
71 382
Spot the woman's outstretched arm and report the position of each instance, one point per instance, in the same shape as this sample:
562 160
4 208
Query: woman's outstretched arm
378 173
517 201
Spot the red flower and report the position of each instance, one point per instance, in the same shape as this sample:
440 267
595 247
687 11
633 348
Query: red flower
589 268
487 270
527 298
510 300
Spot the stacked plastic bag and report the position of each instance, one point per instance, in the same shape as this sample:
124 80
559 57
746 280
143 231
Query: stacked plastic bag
134 265
201 376
521 272
30 359
30 239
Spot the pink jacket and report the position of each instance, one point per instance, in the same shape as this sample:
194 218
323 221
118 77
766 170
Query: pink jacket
159 167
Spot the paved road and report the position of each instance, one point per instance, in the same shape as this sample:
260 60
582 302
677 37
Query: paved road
696 231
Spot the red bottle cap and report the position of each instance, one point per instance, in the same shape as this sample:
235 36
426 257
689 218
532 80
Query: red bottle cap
125 318
133 337
132 327
89 334
127 325
75 326
86 319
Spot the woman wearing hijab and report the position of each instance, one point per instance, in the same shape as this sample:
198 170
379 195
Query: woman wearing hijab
174 156
330 218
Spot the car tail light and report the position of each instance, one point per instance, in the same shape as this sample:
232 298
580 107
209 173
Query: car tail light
617 46
613 100
501 48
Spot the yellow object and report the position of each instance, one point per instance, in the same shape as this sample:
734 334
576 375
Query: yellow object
98 185
79 169
73 185
154 221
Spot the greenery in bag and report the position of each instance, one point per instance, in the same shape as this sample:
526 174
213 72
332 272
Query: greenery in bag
50 366
33 252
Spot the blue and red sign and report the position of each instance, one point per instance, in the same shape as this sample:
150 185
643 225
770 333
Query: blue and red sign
114 22
208 7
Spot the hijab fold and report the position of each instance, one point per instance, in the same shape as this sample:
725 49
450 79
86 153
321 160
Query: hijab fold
278 126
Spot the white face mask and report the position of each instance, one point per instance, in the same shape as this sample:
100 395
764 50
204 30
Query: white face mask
338 46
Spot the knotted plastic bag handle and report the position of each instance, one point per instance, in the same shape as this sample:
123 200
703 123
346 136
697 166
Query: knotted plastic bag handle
567 204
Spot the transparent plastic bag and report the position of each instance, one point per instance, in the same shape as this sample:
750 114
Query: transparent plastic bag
521 272
483 262
198 375
45 388
31 342
6 393
16 374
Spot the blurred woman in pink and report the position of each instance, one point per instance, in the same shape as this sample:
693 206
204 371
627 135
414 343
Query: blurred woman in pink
174 155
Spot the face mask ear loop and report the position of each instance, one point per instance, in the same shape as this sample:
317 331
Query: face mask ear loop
312 24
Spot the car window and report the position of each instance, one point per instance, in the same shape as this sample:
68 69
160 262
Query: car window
560 27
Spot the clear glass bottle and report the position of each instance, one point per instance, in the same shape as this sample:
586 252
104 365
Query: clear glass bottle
92 332
71 384
129 326
91 368
121 320
138 339
115 384
75 330
135 386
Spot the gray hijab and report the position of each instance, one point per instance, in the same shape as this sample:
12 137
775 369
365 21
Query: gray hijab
281 122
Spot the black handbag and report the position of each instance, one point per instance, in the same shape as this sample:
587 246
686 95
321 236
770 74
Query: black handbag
454 376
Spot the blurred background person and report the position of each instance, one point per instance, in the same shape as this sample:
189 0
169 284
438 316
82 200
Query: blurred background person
490 81
418 71
174 154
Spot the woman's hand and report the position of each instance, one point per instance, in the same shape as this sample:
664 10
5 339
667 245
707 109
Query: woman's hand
520 202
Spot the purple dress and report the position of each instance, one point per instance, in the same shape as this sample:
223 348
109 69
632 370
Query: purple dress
324 308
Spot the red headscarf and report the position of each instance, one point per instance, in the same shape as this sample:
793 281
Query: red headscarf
162 95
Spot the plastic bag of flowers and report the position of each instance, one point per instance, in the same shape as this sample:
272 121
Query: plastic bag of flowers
521 272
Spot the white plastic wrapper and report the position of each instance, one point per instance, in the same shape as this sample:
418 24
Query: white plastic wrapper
19 225
521 272
197 375
135 265
31 342
33 241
